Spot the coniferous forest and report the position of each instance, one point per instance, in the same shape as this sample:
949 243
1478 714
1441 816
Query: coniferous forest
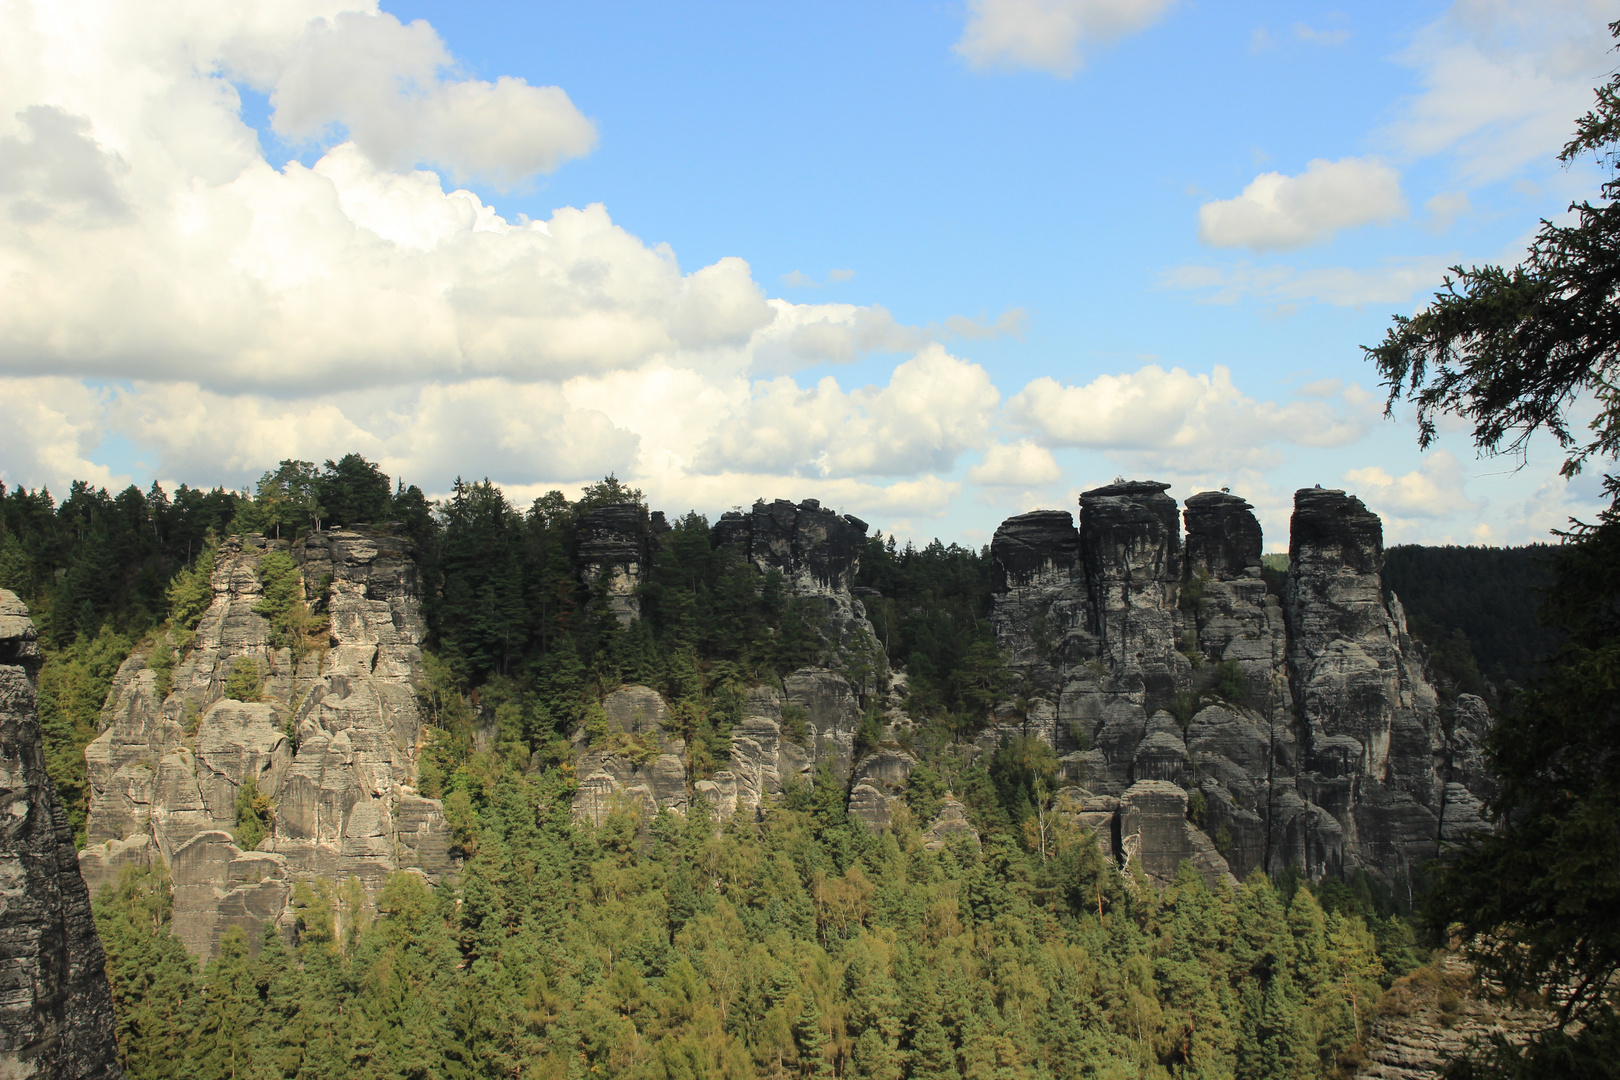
803 944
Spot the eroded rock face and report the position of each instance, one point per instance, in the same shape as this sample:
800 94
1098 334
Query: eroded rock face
1130 542
817 552
951 822
56 1014
613 549
1370 729
1156 835
1306 726
639 761
332 743
879 785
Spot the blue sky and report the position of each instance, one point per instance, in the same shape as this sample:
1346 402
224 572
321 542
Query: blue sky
932 263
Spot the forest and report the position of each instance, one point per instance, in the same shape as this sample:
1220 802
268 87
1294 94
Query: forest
673 947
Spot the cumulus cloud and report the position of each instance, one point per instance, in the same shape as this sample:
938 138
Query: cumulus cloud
1277 212
55 167
382 82
517 432
51 427
1502 81
1011 322
934 408
143 235
1048 35
1167 418
1021 464
1433 490
1396 282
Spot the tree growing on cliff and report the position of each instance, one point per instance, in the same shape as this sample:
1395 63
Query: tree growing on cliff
1512 350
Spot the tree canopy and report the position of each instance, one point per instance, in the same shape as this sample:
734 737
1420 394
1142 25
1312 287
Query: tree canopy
1538 897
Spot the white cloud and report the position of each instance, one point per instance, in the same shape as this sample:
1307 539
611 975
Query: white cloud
1020 464
517 432
1433 490
1336 35
1048 35
51 427
143 235
382 83
934 408
1164 419
1011 322
1445 208
1503 82
1277 212
1396 282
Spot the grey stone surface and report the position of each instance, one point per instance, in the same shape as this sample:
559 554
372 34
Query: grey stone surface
639 762
612 555
951 821
333 743
878 783
1156 835
817 553
1316 739
56 1014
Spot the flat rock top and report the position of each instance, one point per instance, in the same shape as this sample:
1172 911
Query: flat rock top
1126 488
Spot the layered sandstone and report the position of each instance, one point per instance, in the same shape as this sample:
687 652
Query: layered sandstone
1301 729
56 1012
332 743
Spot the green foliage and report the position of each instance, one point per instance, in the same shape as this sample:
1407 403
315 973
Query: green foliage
932 618
245 682
73 683
1538 896
1184 706
1230 683
282 602
255 815
1475 608
609 491
191 592
353 490
795 723
798 946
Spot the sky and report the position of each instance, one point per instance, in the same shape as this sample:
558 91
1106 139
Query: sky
932 263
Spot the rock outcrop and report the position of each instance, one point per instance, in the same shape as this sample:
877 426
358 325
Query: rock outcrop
634 758
1434 1015
612 555
817 553
1301 727
332 743
56 1011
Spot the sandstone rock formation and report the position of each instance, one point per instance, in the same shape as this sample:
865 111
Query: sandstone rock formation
817 552
785 733
333 744
635 758
56 1013
1304 725
612 555
1434 1015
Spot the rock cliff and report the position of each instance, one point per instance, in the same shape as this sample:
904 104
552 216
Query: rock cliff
611 555
332 743
1300 729
786 732
56 1013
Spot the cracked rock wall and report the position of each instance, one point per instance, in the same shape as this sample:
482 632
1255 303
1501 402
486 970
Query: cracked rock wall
56 1014
1302 728
333 743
